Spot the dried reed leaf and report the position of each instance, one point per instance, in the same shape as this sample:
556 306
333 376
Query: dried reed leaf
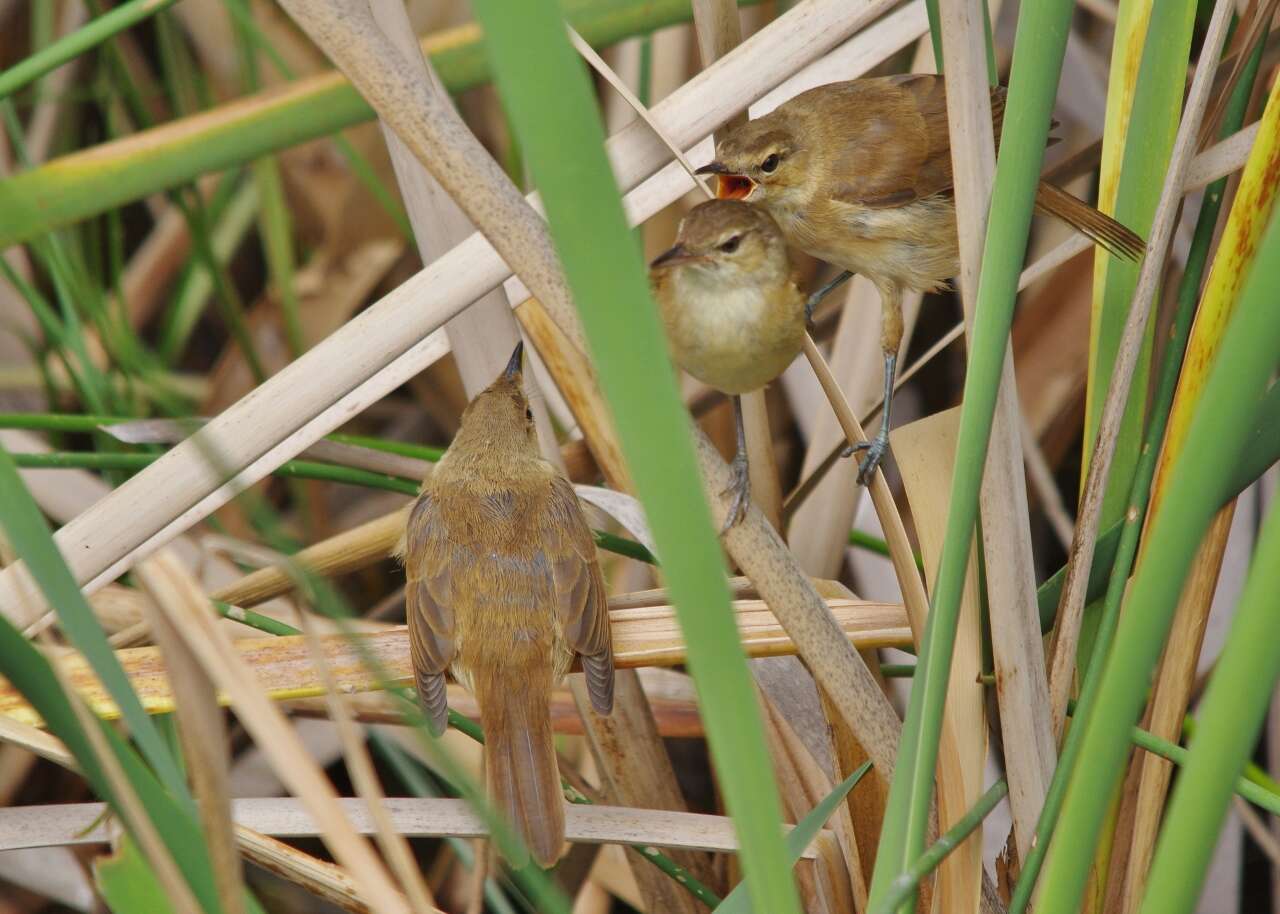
129 805
803 786
482 336
69 824
201 726
635 770
1142 806
171 431
364 778
319 877
356 548
926 456
282 666
236 678
676 717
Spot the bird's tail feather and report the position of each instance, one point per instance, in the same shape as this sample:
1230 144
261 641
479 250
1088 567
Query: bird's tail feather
520 762
1104 230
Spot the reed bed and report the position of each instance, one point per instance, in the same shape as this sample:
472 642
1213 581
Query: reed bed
259 255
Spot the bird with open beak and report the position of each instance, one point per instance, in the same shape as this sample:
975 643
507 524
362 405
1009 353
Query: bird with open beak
503 590
734 316
858 174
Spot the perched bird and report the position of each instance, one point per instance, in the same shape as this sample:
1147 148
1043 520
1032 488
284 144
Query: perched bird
503 589
734 316
858 174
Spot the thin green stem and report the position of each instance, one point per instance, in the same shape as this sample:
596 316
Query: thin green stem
303 469
361 169
81 422
253 619
905 885
876 544
1249 790
403 448
300 469
624 547
188 303
274 223
124 16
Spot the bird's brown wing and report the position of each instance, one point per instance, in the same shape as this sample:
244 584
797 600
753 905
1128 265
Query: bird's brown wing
579 591
427 603
898 148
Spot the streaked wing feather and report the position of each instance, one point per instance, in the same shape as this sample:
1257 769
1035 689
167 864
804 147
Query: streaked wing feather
580 593
430 616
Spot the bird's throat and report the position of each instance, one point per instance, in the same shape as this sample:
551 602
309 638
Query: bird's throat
734 187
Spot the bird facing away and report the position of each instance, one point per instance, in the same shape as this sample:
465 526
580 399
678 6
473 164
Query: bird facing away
858 174
503 589
734 316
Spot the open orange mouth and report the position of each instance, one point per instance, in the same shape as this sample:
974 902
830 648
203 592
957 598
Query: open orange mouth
734 187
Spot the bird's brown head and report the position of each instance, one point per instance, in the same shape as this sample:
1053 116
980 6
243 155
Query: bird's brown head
499 422
728 243
762 161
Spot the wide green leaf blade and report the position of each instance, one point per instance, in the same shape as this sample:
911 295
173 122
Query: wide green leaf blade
33 541
127 883
548 97
29 671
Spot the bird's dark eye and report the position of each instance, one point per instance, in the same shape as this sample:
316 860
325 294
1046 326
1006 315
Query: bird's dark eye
528 413
731 245
769 165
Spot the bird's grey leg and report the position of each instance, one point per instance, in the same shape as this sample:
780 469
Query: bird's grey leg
811 303
890 341
740 487
878 445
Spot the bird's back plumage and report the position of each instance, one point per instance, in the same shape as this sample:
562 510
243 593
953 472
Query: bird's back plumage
503 589
881 201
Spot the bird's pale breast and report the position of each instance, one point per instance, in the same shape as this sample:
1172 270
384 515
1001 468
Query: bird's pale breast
737 340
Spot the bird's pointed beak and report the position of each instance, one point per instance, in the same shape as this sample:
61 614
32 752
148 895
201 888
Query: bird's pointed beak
675 255
729 185
514 366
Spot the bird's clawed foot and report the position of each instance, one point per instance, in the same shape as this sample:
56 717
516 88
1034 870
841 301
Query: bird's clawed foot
740 490
876 448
